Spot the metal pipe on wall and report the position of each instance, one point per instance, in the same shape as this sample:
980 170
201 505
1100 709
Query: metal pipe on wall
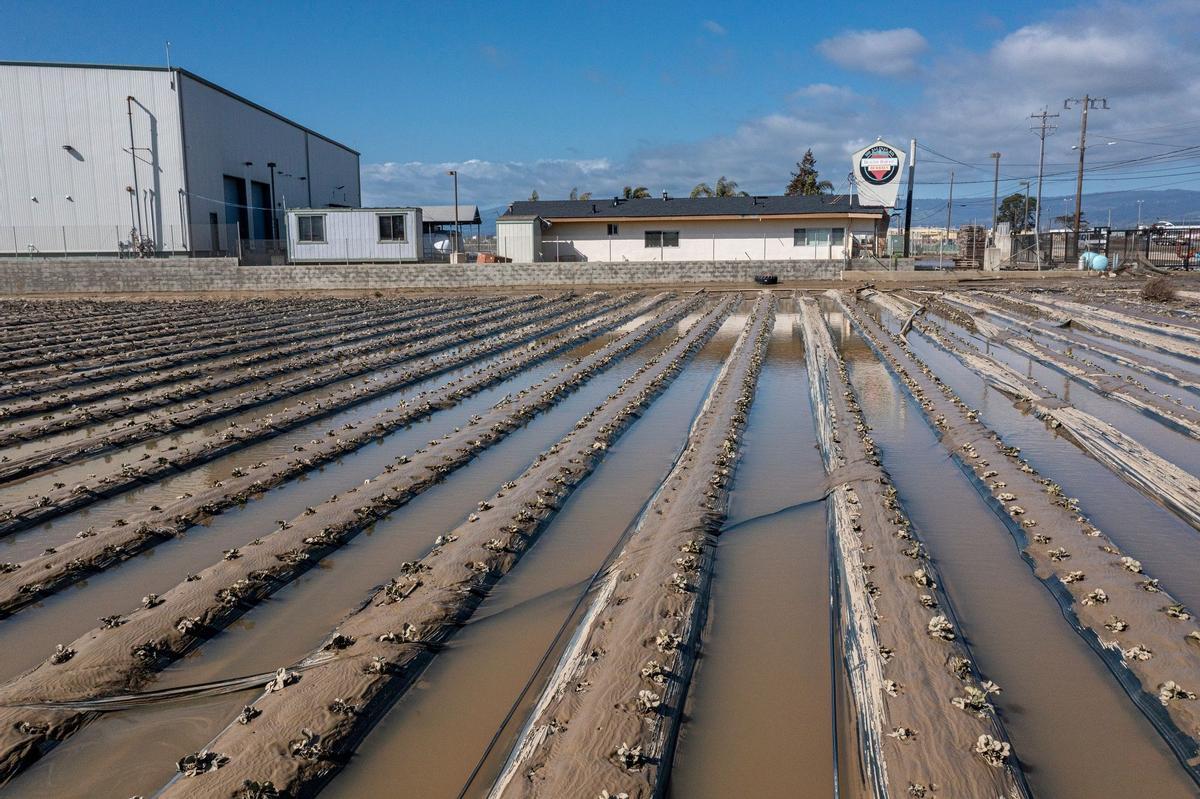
133 158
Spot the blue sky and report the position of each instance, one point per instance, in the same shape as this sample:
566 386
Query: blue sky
546 96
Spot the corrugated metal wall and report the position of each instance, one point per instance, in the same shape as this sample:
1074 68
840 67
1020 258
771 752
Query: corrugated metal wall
53 199
518 240
353 236
222 133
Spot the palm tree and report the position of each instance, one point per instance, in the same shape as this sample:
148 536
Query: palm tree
725 188
639 193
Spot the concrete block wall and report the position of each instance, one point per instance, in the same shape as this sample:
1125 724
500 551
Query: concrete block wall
69 276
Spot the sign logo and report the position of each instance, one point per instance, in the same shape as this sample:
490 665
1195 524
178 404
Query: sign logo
878 164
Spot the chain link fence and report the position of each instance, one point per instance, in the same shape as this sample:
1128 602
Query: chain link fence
1162 247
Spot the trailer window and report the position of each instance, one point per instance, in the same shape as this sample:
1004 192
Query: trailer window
311 229
391 227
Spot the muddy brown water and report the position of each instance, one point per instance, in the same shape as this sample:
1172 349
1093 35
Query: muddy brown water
462 699
43 481
1167 546
66 615
757 721
1077 733
219 367
56 531
297 618
757 717
1177 447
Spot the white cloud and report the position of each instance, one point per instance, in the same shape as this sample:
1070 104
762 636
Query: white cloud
1113 56
969 104
889 52
487 183
714 27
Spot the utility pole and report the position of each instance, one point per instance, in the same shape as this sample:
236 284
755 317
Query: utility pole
995 192
949 211
1086 103
1025 218
457 230
912 167
1044 129
1139 224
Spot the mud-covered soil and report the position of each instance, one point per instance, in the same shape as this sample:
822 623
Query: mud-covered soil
254 406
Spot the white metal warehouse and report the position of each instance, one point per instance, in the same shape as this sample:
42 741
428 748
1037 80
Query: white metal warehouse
690 229
95 159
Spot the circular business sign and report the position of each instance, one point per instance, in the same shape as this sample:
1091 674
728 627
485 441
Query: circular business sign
878 165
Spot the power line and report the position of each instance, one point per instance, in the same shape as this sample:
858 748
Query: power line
948 158
1101 167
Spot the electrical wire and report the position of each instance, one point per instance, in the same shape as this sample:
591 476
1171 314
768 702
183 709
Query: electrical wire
1102 166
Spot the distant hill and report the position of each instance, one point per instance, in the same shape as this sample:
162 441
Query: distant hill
1173 204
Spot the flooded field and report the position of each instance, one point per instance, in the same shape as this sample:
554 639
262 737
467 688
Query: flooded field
913 543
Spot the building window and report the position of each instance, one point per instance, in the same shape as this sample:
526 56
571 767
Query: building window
311 229
391 227
662 238
839 237
613 229
819 236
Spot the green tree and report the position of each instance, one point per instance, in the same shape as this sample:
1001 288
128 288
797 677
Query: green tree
1012 210
724 188
639 193
533 197
1067 221
805 182
574 193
